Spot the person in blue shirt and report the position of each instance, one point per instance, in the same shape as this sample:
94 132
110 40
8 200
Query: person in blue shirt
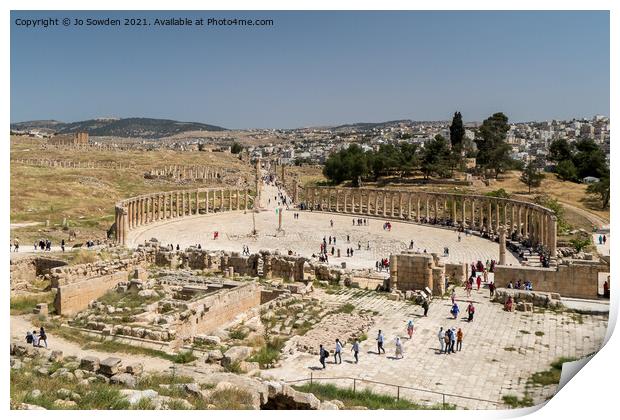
455 310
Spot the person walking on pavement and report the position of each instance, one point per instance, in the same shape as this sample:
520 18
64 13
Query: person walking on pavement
425 306
441 336
399 349
355 348
459 339
322 355
338 352
410 329
380 339
470 312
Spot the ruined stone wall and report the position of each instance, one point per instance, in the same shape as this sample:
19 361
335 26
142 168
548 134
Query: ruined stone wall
75 297
216 310
457 272
60 276
25 270
412 271
578 280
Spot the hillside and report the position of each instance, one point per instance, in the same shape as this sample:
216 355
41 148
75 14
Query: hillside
123 127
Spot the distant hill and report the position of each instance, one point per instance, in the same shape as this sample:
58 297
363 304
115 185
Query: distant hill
121 127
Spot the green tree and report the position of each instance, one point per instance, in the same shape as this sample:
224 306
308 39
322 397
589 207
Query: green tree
589 159
236 148
531 177
601 188
347 164
566 171
457 132
560 150
493 151
435 157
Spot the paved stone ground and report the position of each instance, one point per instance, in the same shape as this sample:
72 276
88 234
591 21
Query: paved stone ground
500 349
304 235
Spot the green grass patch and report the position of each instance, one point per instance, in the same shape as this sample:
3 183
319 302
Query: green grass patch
231 399
524 332
366 398
510 348
514 402
238 334
539 333
551 376
21 305
269 353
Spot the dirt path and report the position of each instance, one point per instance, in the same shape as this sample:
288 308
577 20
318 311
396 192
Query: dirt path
20 324
596 220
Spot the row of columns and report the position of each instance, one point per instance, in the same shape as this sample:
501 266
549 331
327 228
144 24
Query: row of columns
186 172
141 210
70 163
526 220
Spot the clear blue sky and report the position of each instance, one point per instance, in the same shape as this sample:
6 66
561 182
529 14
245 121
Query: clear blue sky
315 68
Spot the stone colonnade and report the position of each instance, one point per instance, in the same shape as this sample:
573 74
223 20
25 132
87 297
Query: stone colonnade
200 173
483 213
57 163
151 208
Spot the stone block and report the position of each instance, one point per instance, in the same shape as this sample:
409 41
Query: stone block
89 363
110 366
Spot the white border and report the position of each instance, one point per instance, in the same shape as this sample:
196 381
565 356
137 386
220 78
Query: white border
591 394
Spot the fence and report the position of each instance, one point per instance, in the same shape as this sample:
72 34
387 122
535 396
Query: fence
409 393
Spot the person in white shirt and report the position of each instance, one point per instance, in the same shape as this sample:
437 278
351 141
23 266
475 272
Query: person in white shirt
399 348
441 335
338 352
380 343
355 349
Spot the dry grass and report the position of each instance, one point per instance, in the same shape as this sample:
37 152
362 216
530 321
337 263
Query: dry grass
86 197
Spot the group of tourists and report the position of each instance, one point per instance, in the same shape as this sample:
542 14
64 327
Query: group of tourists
360 222
471 309
526 285
387 226
383 264
450 340
602 239
34 339
296 216
14 246
246 250
44 245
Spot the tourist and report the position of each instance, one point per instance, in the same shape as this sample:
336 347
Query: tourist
331 223
178 247
62 245
35 246
42 337
355 348
600 239
453 296
398 349
425 306
411 244
455 310
468 287
508 304
606 288
479 281
459 339
452 340
491 289
16 245
338 352
322 355
35 339
510 285
410 329
29 338
470 312
380 343
604 239
441 335
447 341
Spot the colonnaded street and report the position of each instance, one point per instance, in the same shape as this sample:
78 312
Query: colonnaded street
304 235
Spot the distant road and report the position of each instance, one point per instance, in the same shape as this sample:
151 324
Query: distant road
596 220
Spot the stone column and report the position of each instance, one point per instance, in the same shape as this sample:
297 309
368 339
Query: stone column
409 212
384 209
417 213
368 202
247 199
553 233
125 227
400 205
197 202
230 207
427 208
502 245
489 217
392 196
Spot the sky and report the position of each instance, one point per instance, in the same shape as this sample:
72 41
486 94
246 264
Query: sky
314 68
